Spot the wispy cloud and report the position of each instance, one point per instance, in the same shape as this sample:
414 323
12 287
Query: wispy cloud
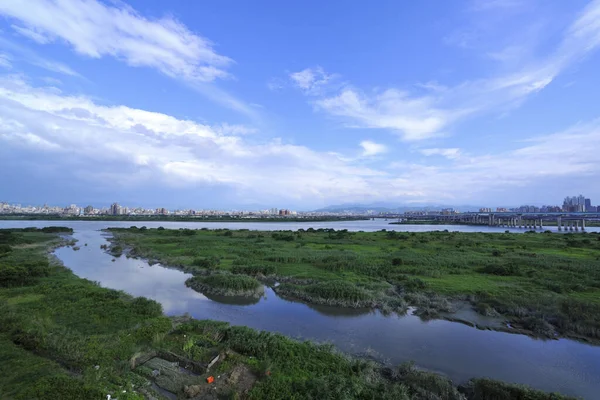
167 151
163 151
96 30
416 116
31 57
5 61
371 148
31 34
413 117
451 153
312 80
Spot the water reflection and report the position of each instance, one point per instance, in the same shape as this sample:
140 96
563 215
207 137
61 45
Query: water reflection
233 300
331 311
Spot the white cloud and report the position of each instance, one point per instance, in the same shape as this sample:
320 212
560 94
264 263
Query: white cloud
136 147
311 80
31 34
30 57
5 61
167 151
416 116
234 130
96 30
371 148
451 153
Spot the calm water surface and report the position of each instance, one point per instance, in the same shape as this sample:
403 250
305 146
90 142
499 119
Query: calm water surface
455 350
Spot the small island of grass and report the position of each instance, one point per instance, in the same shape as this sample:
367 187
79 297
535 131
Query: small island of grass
226 285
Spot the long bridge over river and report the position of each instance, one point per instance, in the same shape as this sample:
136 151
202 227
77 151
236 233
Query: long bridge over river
564 221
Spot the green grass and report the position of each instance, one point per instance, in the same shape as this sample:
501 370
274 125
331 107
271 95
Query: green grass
521 276
226 284
290 369
55 327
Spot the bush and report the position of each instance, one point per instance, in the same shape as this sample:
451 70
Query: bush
22 275
253 269
412 284
5 249
62 387
210 262
288 237
339 290
397 261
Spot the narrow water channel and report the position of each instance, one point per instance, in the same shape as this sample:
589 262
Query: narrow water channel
456 350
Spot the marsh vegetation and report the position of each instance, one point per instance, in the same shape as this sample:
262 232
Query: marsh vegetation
543 284
63 337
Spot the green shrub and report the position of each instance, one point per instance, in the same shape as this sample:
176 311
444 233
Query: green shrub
225 284
253 269
62 387
339 290
206 262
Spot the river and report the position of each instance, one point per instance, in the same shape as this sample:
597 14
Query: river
453 349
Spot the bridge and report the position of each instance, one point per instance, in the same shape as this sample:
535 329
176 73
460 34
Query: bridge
534 221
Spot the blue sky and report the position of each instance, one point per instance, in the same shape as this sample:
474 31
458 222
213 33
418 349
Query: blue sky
235 104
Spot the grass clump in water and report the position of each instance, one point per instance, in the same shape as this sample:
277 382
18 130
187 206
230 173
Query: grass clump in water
226 284
338 293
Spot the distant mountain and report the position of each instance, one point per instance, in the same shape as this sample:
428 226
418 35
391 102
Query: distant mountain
382 207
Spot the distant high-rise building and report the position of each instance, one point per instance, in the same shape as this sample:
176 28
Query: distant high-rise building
88 210
588 205
575 203
115 209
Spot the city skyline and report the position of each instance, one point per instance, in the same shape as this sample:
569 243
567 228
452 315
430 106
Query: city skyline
184 103
578 203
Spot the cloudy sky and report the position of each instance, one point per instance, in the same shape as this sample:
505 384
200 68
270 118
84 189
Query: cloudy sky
237 104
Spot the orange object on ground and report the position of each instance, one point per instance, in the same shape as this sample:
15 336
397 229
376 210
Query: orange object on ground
210 379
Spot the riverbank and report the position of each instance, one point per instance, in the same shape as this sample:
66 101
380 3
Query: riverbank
542 284
65 337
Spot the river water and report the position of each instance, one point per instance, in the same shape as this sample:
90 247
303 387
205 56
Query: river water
456 350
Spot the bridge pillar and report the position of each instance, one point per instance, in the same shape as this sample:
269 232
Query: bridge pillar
520 222
541 224
570 225
558 223
576 226
583 225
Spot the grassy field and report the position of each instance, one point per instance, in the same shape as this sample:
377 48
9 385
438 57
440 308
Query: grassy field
546 284
63 337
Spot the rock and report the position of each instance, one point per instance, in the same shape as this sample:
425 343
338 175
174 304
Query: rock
192 391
